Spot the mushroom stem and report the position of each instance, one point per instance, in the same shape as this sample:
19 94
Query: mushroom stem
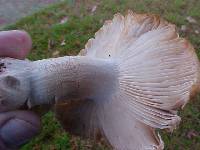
56 79
70 77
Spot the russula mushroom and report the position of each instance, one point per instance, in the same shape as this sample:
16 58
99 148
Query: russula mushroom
128 81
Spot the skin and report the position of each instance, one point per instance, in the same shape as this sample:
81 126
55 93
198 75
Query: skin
19 126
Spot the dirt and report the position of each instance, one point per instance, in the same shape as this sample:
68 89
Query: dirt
2 67
12 10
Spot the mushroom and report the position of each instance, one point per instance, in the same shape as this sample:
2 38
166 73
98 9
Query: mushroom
130 80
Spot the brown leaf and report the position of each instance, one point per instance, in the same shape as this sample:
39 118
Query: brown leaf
64 20
55 54
63 43
191 134
183 28
191 20
94 8
196 31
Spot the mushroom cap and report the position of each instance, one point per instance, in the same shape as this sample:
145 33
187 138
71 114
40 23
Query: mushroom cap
158 74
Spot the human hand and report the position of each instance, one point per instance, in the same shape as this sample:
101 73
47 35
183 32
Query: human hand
16 127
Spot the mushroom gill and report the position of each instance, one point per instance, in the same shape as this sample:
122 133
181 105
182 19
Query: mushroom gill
130 80
157 73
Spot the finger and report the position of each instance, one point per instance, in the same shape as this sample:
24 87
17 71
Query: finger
15 44
3 146
18 127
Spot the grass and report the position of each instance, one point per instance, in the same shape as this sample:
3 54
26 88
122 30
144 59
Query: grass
51 137
48 34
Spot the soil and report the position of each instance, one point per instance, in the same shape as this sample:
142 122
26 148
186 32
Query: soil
12 10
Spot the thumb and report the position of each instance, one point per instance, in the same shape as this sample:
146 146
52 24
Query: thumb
15 44
17 128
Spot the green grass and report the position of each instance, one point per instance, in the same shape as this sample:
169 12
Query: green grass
47 34
51 137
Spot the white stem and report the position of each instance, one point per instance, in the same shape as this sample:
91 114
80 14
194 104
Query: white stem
71 77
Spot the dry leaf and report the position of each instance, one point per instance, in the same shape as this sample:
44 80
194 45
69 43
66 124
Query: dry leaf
55 54
183 28
64 20
63 43
196 31
191 134
94 8
191 20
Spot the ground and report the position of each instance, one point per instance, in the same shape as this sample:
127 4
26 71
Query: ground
12 10
64 28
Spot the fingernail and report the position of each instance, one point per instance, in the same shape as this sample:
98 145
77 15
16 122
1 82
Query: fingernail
17 132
